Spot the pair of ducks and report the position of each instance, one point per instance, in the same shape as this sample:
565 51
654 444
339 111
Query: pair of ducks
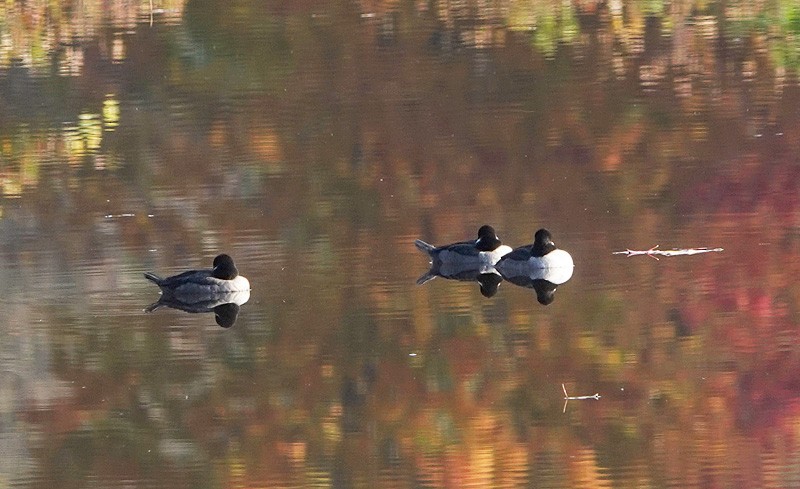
487 256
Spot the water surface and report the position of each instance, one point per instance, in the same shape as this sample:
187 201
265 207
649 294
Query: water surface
314 143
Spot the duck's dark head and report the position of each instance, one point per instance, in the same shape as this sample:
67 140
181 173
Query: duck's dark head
224 269
487 239
542 243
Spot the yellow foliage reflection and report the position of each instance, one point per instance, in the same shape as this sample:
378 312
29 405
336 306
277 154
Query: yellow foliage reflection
34 32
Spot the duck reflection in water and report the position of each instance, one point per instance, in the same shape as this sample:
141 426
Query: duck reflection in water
225 305
471 261
220 290
541 266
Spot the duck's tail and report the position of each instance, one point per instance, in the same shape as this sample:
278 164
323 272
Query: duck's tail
153 277
426 277
428 249
424 247
152 307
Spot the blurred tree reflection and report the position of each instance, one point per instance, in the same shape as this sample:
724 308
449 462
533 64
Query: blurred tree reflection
344 131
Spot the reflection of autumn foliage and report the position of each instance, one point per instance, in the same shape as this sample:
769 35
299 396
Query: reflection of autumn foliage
37 33
316 146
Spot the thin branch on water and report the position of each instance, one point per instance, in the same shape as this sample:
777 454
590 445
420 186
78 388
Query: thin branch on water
652 252
568 398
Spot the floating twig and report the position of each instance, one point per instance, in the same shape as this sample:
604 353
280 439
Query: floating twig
124 214
652 252
568 398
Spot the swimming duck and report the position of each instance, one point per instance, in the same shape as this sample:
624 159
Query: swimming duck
197 285
540 260
465 257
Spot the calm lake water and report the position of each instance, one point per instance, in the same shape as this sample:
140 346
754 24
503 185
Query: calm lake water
314 142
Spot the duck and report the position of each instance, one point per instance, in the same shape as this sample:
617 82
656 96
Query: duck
465 257
199 285
540 260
